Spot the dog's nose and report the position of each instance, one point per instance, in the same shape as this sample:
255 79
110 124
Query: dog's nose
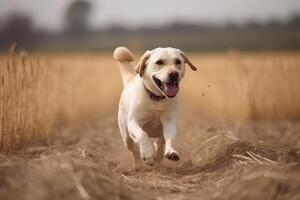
173 76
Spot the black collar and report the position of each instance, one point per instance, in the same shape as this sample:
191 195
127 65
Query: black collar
152 95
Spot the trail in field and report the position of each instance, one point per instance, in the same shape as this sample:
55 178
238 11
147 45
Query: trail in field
219 161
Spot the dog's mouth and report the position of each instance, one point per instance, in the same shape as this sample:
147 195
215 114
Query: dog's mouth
170 89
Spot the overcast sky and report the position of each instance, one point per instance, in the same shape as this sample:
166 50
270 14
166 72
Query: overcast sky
49 14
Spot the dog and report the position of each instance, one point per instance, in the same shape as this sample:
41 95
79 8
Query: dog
148 105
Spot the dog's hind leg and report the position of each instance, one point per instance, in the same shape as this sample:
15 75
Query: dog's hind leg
159 145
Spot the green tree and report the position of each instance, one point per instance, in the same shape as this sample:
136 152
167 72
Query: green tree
77 16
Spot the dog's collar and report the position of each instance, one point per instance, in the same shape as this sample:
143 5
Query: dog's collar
152 95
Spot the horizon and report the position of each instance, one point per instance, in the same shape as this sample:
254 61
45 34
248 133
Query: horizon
112 13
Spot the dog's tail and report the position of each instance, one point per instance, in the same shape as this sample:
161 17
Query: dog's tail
125 57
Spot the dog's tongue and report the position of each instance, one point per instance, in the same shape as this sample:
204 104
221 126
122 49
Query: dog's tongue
171 90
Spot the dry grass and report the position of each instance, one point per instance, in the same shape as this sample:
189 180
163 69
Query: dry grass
20 79
246 86
220 161
42 92
69 102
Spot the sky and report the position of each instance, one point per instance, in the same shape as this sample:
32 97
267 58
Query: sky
49 14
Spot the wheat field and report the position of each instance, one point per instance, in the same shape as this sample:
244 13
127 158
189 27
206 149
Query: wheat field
261 86
239 122
42 92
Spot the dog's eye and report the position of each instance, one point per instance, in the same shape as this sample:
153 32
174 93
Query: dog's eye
178 62
159 62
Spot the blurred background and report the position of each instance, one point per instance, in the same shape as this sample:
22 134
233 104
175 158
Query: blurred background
60 87
61 72
192 25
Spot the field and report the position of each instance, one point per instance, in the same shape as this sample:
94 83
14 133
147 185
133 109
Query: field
238 132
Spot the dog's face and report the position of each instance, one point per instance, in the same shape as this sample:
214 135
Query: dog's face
164 68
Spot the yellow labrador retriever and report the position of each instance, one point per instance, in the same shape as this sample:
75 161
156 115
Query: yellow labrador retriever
149 102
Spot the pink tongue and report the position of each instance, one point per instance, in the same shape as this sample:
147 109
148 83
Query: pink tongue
171 90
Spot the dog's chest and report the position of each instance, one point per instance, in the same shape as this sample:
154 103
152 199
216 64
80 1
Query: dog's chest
151 124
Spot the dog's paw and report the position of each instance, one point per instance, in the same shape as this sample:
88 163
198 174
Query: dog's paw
172 155
147 154
149 161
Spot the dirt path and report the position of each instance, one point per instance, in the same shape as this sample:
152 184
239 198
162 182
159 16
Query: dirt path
220 161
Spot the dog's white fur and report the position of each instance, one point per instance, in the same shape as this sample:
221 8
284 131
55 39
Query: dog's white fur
140 117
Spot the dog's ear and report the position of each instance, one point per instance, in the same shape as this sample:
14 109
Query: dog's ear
140 67
187 60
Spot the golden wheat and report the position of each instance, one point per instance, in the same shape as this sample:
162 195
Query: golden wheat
42 92
18 82
245 86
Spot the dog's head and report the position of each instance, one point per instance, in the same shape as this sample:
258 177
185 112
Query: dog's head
164 68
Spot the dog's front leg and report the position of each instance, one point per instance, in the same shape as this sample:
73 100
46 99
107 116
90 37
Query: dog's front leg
141 138
169 130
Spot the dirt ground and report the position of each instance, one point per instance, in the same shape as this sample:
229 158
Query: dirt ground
219 161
